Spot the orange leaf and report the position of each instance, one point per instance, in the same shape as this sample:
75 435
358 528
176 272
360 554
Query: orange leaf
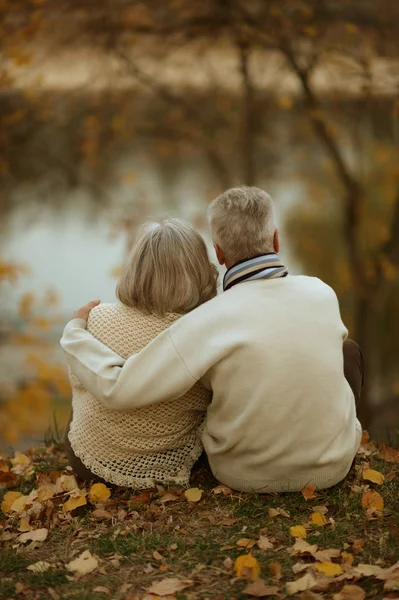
308 492
372 500
247 566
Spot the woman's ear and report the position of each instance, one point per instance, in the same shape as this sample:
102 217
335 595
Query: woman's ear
219 255
276 241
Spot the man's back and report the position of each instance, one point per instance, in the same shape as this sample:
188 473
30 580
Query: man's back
282 413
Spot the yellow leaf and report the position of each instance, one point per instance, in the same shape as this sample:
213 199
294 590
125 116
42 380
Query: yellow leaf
372 500
20 459
9 500
66 483
319 519
308 492
73 503
247 566
20 504
193 494
329 569
99 492
298 531
374 476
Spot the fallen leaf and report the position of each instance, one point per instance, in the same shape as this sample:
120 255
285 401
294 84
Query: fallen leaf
357 545
8 501
372 500
347 558
246 543
247 566
350 592
329 569
301 547
163 567
222 489
193 494
308 492
275 570
20 462
101 513
319 519
321 509
168 587
259 589
20 504
309 595
374 476
45 492
24 525
65 483
264 543
36 535
388 454
227 522
101 589
327 555
83 564
4 468
157 555
99 493
300 585
364 570
140 499
298 531
168 497
73 503
39 567
228 563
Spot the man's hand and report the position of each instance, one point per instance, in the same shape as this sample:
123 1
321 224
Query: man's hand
83 313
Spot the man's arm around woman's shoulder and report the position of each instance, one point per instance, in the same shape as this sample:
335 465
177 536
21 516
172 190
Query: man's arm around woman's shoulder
155 374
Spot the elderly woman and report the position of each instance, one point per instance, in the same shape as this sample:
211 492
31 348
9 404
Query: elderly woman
168 273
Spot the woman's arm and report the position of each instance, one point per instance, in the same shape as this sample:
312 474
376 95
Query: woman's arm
155 374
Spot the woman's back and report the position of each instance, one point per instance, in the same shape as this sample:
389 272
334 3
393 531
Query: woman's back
136 448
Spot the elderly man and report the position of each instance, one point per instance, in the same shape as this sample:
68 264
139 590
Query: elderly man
272 349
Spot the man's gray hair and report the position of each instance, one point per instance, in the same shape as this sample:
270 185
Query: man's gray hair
242 222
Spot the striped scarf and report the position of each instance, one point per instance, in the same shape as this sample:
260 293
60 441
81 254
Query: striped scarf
266 266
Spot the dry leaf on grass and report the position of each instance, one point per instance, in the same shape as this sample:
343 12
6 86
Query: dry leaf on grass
301 547
168 497
317 518
73 503
374 476
278 512
101 513
168 587
350 592
298 531
275 570
37 535
372 500
39 567
308 492
247 566
300 585
329 569
246 543
83 564
8 501
193 494
388 454
264 543
222 489
259 589
24 525
101 589
66 483
99 493
157 555
364 570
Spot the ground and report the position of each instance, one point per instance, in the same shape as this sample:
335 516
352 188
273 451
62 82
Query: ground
137 539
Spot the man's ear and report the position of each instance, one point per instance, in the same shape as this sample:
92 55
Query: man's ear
276 241
219 255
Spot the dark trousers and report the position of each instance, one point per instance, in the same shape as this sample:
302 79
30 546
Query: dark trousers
354 374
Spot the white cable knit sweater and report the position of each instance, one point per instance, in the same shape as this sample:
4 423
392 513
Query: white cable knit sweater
136 448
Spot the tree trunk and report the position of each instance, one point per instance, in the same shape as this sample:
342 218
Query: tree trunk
364 321
248 126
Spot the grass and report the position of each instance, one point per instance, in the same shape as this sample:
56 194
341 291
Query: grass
151 541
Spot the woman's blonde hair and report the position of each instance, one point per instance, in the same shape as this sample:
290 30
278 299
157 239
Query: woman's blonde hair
168 270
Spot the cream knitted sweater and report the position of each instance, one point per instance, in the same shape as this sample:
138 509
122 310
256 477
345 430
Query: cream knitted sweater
282 413
136 448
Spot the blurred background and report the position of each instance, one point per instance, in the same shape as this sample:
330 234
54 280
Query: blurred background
118 111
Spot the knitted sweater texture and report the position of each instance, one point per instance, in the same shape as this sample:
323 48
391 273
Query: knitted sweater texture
139 447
